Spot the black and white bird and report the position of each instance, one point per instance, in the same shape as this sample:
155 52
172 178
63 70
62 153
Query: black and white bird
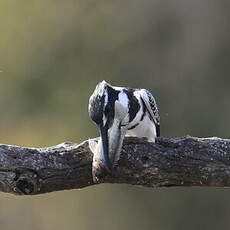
120 112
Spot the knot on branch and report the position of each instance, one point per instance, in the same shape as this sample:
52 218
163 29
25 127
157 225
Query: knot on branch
26 182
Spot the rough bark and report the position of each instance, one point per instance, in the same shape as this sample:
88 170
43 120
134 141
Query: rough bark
186 161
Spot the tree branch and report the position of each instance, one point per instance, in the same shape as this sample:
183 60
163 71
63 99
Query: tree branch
186 161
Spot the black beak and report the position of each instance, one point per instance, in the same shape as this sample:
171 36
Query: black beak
105 146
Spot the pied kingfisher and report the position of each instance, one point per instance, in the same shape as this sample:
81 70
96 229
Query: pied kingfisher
119 112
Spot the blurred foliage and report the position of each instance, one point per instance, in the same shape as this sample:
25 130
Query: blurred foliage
52 54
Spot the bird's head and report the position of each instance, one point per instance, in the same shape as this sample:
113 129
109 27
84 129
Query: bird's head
106 111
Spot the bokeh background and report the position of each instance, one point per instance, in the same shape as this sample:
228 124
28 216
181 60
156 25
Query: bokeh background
53 53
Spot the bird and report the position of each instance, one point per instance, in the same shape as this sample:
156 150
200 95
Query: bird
120 112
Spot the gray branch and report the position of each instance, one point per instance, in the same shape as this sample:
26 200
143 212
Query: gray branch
186 161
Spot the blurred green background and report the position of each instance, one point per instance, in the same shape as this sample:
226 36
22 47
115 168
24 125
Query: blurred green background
53 53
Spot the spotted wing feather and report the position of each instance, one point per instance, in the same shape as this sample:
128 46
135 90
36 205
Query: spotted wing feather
152 108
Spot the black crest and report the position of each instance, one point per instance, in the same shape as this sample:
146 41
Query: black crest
96 102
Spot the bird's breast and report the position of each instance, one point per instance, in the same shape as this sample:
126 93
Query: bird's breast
136 120
136 112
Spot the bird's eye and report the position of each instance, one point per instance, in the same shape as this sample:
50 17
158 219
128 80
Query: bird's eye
109 113
108 110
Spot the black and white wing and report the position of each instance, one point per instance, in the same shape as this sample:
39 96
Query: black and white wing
152 109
